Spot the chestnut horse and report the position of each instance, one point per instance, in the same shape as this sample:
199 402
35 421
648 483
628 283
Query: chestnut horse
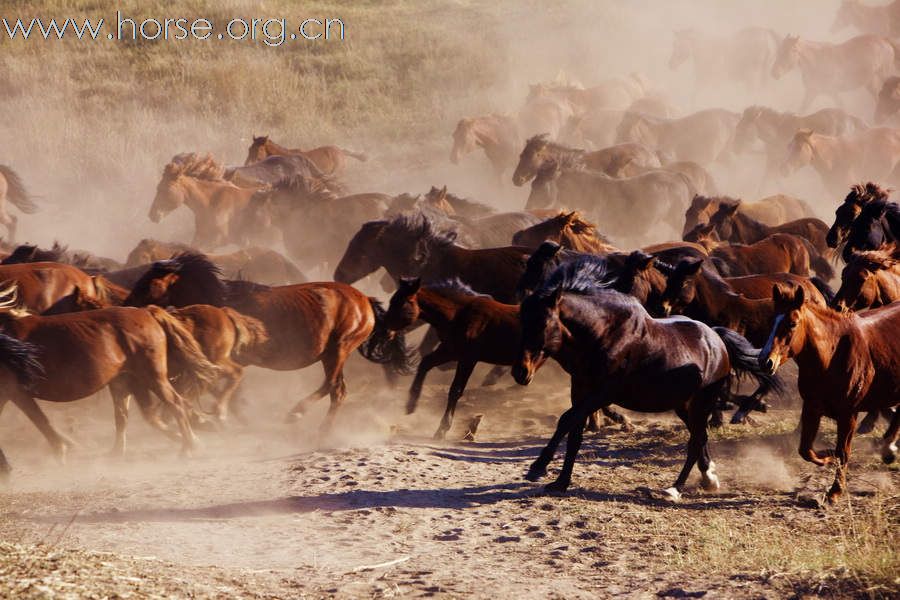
870 279
133 351
411 246
330 160
779 253
19 368
496 135
616 353
305 323
861 62
771 210
41 285
567 229
197 183
13 190
847 364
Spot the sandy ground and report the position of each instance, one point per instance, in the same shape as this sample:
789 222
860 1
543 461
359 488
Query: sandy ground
382 510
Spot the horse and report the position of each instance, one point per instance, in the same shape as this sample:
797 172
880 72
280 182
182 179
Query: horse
888 103
616 92
703 137
196 182
411 246
778 253
569 230
539 151
275 168
744 57
860 62
771 210
330 160
870 279
543 114
132 351
594 129
457 206
851 207
616 353
847 364
878 224
19 368
13 190
883 20
497 135
253 263
40 285
736 227
629 207
701 179
305 323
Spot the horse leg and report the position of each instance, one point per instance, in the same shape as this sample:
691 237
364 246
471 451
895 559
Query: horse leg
846 428
460 379
295 413
809 427
573 445
232 374
163 390
11 223
58 442
614 416
151 411
695 446
121 397
442 354
334 376
889 449
496 373
868 422
5 469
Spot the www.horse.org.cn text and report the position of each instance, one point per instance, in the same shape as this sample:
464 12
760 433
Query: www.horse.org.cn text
272 32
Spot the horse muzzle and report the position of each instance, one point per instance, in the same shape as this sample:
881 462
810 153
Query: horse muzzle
522 374
770 364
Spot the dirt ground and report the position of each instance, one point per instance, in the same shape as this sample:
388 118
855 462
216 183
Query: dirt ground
380 510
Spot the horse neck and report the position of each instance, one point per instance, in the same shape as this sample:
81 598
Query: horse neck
485 133
749 229
824 331
824 151
437 309
198 193
275 149
812 54
713 294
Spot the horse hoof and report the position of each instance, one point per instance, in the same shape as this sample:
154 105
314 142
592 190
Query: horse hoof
535 474
557 487
709 481
865 427
672 494
890 454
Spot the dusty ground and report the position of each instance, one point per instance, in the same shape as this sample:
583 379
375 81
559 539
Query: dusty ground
387 512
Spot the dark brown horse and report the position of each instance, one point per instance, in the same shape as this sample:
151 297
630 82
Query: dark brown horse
870 279
617 354
305 324
133 351
410 246
331 160
779 253
733 226
569 230
847 364
858 226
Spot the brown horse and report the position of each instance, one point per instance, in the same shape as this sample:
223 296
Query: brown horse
496 135
701 179
254 263
133 351
305 323
330 160
883 20
19 368
42 284
703 137
779 253
13 190
617 354
615 161
736 227
888 103
615 92
411 246
847 364
197 183
861 62
869 280
569 230
772 210
840 161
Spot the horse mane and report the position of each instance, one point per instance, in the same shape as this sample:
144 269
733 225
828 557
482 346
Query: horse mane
194 267
194 165
419 226
312 188
237 289
453 285
585 275
884 257
462 206
27 253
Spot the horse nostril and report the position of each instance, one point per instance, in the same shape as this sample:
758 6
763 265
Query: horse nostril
770 364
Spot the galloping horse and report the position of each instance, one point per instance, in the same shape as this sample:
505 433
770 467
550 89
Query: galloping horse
13 190
772 210
870 279
41 285
779 253
702 137
330 160
847 364
854 231
196 181
497 135
616 353
569 230
305 323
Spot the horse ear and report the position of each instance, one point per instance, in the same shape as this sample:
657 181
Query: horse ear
690 266
731 208
777 294
798 298
443 193
640 261
804 134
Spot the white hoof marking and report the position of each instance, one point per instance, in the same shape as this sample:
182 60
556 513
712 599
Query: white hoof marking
672 494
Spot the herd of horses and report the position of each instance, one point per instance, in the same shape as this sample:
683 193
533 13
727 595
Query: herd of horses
727 291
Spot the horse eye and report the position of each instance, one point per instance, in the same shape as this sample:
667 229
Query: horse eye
792 325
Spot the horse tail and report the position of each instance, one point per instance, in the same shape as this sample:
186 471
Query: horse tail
360 156
387 347
818 263
20 358
824 288
18 195
249 333
744 359
184 353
